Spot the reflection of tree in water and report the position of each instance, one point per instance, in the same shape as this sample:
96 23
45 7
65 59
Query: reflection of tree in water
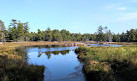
22 52
63 52
48 54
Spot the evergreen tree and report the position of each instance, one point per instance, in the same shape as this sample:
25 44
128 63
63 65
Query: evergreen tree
26 31
132 35
123 37
65 35
100 35
94 37
48 34
118 38
57 35
39 35
20 31
13 30
2 30
114 38
86 37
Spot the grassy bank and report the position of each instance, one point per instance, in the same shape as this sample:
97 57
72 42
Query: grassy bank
104 63
122 43
12 67
9 48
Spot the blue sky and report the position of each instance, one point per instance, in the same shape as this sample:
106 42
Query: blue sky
82 16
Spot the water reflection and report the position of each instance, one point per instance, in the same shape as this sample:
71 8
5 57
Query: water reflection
61 63
63 52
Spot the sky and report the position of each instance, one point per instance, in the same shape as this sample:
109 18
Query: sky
77 16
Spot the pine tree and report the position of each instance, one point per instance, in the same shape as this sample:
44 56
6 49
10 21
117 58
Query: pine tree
132 35
20 31
13 30
26 31
100 35
65 35
2 30
57 35
48 35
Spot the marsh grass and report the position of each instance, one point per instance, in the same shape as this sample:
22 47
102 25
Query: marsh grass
120 43
12 67
102 61
16 70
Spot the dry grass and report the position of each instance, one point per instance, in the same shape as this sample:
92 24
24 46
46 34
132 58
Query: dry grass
9 48
121 43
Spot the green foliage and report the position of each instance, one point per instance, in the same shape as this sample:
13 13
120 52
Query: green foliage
65 35
19 31
100 34
26 31
76 37
86 37
56 35
2 30
48 34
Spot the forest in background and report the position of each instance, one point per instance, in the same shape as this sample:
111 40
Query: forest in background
19 32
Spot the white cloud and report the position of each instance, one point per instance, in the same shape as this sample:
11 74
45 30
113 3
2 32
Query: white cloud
121 8
132 1
115 7
109 7
128 17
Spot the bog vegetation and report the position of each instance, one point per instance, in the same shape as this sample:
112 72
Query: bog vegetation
102 63
18 31
105 63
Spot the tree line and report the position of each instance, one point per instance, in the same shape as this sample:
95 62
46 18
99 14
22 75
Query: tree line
18 31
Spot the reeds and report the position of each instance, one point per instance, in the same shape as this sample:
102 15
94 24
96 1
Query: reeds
16 70
109 60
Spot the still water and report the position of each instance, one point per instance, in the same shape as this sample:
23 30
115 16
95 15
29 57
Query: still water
61 63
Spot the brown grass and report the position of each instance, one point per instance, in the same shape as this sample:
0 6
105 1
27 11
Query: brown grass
8 48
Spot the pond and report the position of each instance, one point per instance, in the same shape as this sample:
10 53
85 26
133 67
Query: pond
61 63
